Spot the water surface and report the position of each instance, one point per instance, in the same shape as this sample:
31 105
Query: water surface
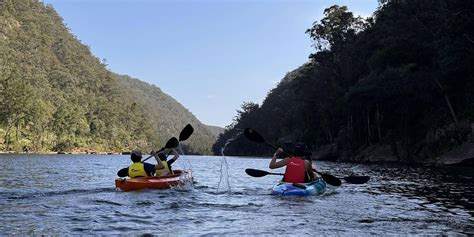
75 194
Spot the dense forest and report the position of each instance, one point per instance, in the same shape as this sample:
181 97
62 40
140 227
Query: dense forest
56 96
398 84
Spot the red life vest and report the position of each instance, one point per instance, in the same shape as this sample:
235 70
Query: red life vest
295 170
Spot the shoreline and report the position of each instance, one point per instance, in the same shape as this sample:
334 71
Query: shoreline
61 153
444 161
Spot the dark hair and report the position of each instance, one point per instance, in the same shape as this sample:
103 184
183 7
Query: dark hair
136 156
299 149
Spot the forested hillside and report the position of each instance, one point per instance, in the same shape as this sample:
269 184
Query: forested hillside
56 96
216 130
398 85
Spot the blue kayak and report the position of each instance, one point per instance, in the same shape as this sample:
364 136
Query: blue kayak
316 187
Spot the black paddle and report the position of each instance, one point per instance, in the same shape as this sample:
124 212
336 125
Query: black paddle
357 179
186 132
172 143
183 136
254 136
261 173
350 179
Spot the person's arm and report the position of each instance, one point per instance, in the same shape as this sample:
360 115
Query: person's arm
158 165
123 172
277 164
309 169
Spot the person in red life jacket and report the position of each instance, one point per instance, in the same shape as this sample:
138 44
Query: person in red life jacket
139 169
298 170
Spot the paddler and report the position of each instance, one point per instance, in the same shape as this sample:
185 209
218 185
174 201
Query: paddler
139 169
166 164
298 170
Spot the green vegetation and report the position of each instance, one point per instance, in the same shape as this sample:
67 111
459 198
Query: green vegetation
56 96
401 79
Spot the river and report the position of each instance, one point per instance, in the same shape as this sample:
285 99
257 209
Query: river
75 195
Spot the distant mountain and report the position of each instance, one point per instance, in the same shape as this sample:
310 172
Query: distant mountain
170 115
55 95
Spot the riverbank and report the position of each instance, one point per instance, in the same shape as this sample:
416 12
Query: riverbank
69 153
462 155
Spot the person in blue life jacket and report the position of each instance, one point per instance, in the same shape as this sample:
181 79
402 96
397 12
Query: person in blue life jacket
298 169
140 169
166 164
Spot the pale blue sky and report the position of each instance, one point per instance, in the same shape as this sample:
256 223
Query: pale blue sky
209 55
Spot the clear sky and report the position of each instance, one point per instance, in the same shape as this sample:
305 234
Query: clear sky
210 55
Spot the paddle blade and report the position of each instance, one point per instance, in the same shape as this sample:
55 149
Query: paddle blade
123 172
186 132
357 179
331 180
256 173
253 135
172 143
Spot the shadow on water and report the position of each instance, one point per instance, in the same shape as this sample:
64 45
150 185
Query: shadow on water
453 187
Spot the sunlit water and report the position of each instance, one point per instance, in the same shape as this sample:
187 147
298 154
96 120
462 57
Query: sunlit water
75 194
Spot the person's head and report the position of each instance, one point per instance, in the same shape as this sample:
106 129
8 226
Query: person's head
136 156
299 149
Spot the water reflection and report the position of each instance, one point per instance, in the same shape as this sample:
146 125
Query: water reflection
453 187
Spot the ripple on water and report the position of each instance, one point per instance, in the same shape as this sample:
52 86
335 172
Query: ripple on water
107 202
397 200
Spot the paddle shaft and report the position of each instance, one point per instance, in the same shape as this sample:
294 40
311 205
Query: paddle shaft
162 149
183 136
275 173
259 173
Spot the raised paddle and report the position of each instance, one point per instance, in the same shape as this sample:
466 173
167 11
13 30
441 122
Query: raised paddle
254 136
186 132
183 136
171 143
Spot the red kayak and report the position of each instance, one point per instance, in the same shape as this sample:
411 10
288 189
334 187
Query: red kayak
163 182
